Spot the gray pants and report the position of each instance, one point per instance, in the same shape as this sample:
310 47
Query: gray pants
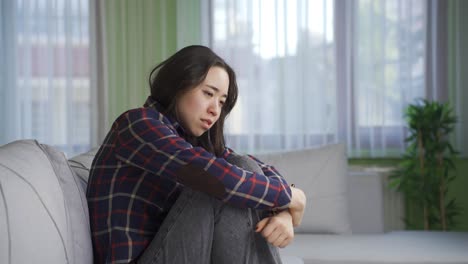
201 229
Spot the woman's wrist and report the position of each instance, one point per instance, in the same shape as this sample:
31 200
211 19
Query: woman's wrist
285 214
298 199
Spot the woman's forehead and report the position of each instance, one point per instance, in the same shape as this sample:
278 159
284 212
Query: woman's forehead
217 79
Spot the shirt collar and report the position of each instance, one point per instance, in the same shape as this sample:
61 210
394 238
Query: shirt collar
150 102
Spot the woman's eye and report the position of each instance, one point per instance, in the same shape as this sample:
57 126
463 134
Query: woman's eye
222 103
210 94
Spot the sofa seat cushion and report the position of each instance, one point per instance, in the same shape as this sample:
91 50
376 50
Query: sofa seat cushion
390 248
43 211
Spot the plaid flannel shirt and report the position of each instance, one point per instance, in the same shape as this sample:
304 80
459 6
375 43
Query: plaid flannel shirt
133 182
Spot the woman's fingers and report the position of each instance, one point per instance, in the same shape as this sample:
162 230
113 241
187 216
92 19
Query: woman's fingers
285 242
276 241
273 236
262 224
282 241
269 228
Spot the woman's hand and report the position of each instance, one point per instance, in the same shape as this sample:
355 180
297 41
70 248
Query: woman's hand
297 205
277 230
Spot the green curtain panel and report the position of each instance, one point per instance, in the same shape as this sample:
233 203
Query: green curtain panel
458 95
458 67
138 35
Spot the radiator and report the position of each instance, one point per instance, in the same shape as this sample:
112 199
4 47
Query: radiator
374 208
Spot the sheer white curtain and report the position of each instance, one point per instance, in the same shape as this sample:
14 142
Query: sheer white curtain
45 84
387 57
323 71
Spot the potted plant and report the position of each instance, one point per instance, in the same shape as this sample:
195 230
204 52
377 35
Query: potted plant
424 174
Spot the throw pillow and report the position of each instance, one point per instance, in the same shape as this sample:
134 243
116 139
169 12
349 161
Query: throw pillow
321 174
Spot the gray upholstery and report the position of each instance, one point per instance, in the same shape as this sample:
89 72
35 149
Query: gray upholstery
81 165
321 174
43 211
44 217
400 247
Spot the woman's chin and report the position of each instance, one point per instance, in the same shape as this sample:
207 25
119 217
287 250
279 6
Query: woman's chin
197 133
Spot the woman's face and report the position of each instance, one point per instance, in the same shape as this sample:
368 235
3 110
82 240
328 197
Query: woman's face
199 108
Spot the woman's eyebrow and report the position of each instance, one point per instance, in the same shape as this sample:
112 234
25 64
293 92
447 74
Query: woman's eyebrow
216 89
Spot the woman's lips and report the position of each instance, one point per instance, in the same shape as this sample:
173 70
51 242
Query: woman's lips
206 123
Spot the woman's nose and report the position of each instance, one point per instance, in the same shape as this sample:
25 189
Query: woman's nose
215 108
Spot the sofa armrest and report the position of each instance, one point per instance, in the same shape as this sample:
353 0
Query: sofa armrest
373 207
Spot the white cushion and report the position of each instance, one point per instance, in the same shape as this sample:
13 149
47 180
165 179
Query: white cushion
321 174
400 247
43 212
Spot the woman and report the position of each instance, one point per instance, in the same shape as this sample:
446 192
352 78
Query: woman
162 189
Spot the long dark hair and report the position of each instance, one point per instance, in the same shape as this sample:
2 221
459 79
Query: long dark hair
183 71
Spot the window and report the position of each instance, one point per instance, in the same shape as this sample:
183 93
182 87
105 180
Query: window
318 72
47 85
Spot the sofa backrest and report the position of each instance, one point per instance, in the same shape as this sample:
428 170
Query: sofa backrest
43 210
81 165
321 172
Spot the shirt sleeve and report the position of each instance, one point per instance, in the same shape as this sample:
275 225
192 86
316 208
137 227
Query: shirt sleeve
268 170
147 142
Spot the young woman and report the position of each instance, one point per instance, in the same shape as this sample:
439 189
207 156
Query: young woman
164 188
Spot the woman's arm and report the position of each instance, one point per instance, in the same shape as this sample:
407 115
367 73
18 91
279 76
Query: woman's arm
145 141
268 170
298 199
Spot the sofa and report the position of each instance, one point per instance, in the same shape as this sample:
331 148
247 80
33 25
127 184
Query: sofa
345 217
44 215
